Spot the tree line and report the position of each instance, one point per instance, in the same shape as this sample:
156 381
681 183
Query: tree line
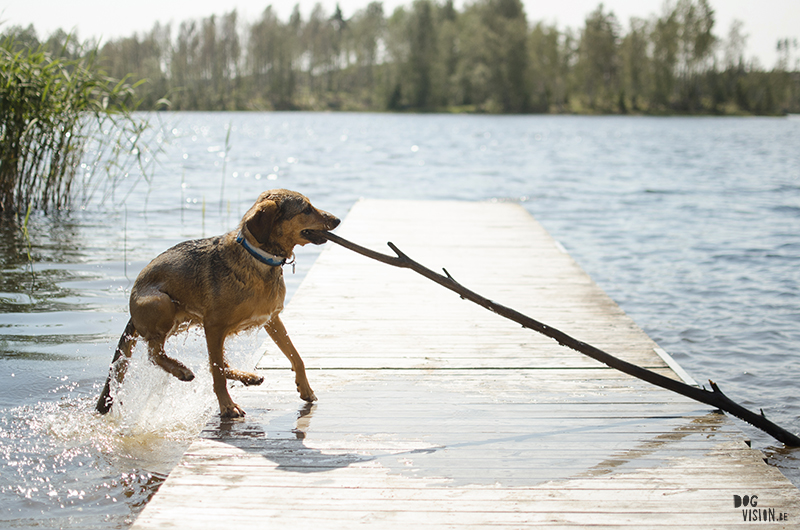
431 56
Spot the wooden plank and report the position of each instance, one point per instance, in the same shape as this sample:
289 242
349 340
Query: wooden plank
433 412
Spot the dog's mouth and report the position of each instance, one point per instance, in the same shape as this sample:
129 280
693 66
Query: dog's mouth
316 237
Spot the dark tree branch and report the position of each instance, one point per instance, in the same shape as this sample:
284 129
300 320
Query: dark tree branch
715 397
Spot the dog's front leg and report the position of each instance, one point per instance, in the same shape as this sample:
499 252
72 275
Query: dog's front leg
215 339
278 332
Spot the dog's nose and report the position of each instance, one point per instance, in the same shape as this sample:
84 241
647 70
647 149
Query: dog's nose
333 223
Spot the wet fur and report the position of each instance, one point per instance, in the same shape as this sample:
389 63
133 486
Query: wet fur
217 284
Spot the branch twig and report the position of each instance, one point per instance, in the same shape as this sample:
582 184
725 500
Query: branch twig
714 397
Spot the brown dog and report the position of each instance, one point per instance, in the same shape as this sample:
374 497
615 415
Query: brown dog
226 284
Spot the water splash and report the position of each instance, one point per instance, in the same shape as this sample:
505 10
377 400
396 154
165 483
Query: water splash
64 465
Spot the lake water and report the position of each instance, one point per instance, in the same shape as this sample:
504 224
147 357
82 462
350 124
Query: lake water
691 224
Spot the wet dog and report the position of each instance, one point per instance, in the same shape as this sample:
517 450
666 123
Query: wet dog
225 284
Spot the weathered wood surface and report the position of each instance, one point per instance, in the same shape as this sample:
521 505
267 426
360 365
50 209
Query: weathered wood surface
433 412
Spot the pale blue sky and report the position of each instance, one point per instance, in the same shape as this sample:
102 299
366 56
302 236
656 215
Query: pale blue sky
764 20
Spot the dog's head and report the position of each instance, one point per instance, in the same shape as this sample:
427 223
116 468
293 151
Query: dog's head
279 218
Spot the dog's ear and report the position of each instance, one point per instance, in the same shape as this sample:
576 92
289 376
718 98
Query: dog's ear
262 221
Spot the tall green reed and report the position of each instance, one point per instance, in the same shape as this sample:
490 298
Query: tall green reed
51 108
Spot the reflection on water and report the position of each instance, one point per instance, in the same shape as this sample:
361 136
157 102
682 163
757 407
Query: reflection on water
66 467
631 459
404 424
279 437
692 225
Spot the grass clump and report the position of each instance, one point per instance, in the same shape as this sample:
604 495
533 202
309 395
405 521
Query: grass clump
52 106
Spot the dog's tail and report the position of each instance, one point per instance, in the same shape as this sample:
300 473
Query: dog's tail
118 366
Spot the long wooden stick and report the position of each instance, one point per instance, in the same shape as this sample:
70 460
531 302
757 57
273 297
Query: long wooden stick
714 397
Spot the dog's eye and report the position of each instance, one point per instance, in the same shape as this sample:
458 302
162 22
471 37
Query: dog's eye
307 210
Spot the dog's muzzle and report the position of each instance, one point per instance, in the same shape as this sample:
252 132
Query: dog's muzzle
317 237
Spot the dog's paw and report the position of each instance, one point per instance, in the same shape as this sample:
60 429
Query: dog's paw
253 380
231 411
247 378
176 368
307 396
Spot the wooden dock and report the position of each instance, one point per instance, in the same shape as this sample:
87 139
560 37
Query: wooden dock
436 413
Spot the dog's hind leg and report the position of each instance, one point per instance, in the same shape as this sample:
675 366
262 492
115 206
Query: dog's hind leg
155 349
249 379
155 315
119 365
278 332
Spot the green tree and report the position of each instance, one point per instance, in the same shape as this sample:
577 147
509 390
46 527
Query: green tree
422 55
551 62
635 63
210 68
508 53
324 49
270 62
339 50
230 59
599 60
695 46
315 39
493 67
184 67
448 56
367 26
665 42
397 54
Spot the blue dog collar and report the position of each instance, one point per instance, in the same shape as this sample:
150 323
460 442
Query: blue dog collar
260 255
